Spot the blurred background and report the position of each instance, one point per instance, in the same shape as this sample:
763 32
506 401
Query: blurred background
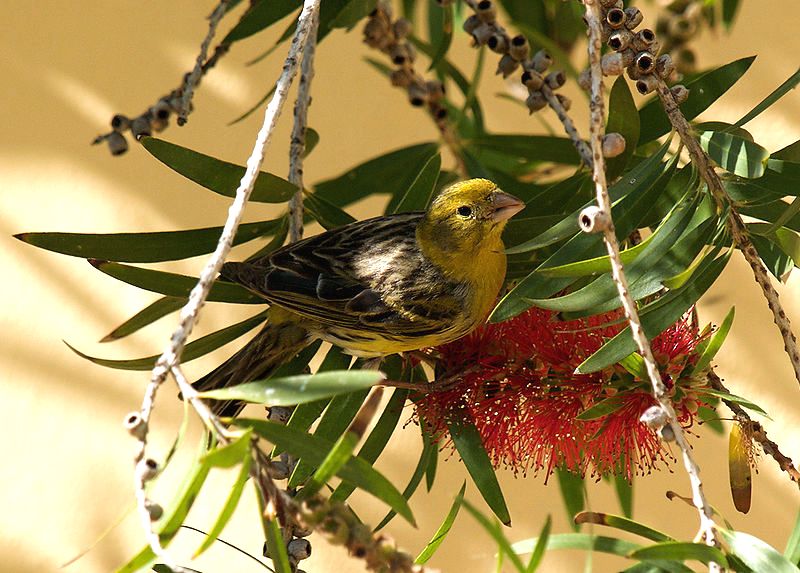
67 476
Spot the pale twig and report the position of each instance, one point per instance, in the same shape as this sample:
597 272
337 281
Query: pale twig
569 127
194 76
595 25
170 358
297 144
736 226
757 431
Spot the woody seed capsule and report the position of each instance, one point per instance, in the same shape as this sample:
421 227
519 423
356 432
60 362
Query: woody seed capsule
532 80
498 43
471 23
633 17
645 62
664 66
620 40
507 65
555 80
401 28
616 18
646 84
519 48
117 144
486 11
680 93
535 101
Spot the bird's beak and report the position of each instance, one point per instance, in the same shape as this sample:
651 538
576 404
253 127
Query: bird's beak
505 206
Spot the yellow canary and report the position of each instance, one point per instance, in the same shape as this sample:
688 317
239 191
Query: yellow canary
380 286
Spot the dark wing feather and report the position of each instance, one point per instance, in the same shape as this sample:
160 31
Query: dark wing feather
319 277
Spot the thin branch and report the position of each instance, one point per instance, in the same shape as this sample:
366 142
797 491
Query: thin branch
194 76
758 433
569 127
595 25
737 227
170 358
297 146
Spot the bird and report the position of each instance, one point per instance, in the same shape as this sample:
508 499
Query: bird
380 286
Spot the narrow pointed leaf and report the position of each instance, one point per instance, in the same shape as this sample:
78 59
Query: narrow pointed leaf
467 441
315 448
493 529
680 551
580 541
326 213
756 554
216 175
438 537
743 402
420 193
337 417
440 24
144 247
734 154
151 313
729 9
378 438
276 547
777 94
623 523
545 148
340 453
231 502
259 17
601 409
230 454
623 118
541 546
388 173
624 489
715 342
428 450
573 492
293 390
703 91
657 316
792 551
194 349
172 284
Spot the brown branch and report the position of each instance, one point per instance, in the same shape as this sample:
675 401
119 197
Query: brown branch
736 226
758 433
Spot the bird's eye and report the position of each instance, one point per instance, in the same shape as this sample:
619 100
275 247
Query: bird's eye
464 210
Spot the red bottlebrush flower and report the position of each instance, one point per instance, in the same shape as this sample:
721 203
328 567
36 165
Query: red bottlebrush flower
515 382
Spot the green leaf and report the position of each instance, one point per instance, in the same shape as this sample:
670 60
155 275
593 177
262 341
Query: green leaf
681 551
337 417
378 438
573 492
293 390
703 91
541 546
729 9
540 147
152 312
172 284
276 547
622 523
734 154
232 500
601 409
657 316
144 247
428 451
194 349
351 12
339 454
493 529
792 551
580 541
623 118
467 441
715 342
438 537
440 26
756 554
743 402
259 17
230 454
312 140
326 213
420 193
624 489
218 176
768 101
391 173
315 449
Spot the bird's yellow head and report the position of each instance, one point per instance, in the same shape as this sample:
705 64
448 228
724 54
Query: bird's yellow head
464 222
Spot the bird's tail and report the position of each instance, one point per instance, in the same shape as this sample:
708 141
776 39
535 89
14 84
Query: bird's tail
281 338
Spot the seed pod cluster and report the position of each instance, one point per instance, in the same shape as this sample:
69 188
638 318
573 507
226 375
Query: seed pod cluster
635 50
676 26
384 33
515 54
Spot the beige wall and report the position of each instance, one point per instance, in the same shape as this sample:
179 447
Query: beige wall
66 470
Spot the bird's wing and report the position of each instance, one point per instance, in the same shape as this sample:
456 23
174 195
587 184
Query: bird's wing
319 277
